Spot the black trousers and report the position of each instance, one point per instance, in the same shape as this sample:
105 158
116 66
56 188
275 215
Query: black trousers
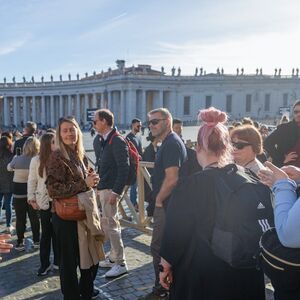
47 237
68 255
22 208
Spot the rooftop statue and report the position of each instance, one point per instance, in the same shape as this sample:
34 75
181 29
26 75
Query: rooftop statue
42 78
14 79
32 79
51 78
222 71
173 71
24 79
4 80
69 76
179 71
242 71
196 72
77 76
237 72
60 77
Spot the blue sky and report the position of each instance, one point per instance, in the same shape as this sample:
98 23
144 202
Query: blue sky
43 37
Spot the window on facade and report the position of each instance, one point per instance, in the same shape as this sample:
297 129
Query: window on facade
229 103
285 98
248 102
187 105
267 102
208 101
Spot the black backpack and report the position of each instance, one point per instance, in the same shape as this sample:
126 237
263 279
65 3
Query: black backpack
134 159
243 212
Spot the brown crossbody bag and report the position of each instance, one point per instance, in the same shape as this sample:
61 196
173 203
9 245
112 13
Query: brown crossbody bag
68 208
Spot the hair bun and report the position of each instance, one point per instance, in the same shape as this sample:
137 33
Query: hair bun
212 116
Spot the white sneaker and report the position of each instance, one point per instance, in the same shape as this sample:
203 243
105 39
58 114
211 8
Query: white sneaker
107 263
117 270
9 229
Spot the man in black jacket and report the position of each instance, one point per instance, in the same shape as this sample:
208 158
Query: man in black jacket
29 130
283 144
113 172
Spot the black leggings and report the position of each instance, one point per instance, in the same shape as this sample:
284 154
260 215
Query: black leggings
22 208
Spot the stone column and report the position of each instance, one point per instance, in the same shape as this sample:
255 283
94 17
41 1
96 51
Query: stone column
52 111
61 106
33 109
77 113
85 106
123 107
94 100
16 121
69 97
25 109
6 111
144 106
109 101
160 98
43 113
131 105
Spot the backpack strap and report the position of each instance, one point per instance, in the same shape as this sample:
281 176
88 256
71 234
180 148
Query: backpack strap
116 133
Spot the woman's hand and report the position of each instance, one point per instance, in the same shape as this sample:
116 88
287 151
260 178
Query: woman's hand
92 179
292 171
33 204
4 246
271 174
290 157
166 277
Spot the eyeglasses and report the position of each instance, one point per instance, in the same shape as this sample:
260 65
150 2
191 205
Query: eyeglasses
240 145
155 121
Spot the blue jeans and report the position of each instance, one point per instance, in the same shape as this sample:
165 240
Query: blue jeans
133 193
7 206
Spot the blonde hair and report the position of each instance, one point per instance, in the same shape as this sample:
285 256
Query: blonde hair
31 147
79 149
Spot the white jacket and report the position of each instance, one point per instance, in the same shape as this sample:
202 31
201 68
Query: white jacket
36 187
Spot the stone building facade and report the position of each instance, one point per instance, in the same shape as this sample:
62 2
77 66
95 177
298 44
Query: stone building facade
133 91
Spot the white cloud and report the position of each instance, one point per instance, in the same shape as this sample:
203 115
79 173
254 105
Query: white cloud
12 46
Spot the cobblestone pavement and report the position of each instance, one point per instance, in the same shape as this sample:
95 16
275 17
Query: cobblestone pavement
18 278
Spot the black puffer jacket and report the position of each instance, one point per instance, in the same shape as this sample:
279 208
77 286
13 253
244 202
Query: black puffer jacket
113 164
280 141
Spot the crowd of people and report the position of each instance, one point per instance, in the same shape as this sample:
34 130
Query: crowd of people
40 177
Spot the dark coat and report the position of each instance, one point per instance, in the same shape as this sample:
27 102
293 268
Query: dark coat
114 164
280 141
6 177
20 143
64 177
198 273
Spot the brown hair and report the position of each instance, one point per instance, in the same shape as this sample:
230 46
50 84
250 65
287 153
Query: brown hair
5 146
45 150
249 134
107 115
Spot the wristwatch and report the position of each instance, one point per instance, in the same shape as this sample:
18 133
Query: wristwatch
160 268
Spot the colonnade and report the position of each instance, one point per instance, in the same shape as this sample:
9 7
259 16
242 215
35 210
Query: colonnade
46 109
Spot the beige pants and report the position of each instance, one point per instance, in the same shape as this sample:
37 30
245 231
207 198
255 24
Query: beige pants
110 212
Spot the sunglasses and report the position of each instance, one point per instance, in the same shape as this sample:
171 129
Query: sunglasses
240 145
155 121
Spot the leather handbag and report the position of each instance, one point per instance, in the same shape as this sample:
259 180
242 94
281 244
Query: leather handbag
68 209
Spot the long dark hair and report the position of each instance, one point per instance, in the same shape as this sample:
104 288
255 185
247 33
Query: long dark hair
5 146
45 150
